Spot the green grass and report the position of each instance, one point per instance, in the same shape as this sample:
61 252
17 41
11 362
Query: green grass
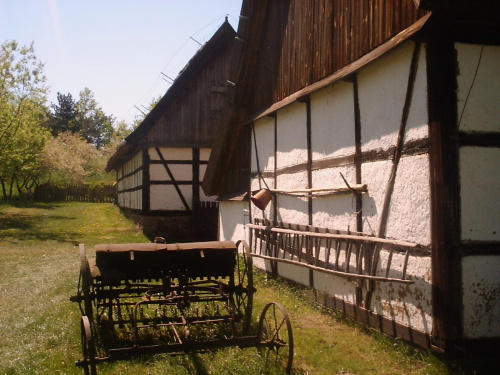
40 329
332 345
39 267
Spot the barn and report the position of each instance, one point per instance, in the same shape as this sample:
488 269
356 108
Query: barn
161 164
367 134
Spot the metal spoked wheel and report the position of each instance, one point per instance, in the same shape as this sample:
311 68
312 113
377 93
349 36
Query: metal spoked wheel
244 285
88 348
275 335
85 283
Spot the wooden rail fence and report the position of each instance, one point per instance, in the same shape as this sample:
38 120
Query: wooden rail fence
75 193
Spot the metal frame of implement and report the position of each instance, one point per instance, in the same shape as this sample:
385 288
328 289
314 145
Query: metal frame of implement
143 299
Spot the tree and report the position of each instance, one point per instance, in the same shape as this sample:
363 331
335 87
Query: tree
21 161
121 131
22 111
95 126
140 118
63 117
21 81
69 158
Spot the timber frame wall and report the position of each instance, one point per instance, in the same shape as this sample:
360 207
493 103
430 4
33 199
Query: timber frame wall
297 65
279 166
170 200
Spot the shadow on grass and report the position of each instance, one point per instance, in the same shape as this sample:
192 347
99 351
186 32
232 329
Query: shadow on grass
31 204
23 227
198 364
22 222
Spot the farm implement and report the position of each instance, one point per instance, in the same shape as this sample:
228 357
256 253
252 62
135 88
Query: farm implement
145 299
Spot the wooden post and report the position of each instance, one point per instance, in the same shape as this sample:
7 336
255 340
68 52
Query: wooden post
445 192
145 182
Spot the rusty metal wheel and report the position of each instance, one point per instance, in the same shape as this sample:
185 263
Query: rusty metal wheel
88 348
244 285
85 283
275 336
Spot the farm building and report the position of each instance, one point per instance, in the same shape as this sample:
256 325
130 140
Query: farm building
368 134
161 164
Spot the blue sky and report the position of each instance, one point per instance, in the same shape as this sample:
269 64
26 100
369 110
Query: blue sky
116 48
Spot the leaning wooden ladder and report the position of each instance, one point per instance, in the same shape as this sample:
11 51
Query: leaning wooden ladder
352 255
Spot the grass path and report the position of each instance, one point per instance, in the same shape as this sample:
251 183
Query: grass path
40 331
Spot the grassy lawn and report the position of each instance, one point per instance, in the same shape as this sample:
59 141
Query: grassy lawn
39 268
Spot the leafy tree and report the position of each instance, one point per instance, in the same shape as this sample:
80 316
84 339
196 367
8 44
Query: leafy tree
21 87
140 118
22 109
63 117
120 132
69 158
21 161
95 126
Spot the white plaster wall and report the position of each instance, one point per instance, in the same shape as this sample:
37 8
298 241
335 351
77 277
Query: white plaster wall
337 212
482 111
264 134
171 153
292 181
181 172
165 197
203 169
334 211
291 272
203 197
407 304
409 216
332 177
418 119
204 156
131 199
292 209
382 91
409 212
376 176
480 191
131 181
233 216
132 164
205 153
292 135
332 121
481 296
335 286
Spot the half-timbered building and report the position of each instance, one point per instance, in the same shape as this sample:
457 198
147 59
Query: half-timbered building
371 128
161 164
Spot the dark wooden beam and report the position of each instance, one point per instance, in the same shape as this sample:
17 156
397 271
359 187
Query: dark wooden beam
145 182
411 148
479 139
478 248
196 178
445 191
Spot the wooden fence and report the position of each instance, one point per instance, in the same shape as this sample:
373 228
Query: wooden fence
75 193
